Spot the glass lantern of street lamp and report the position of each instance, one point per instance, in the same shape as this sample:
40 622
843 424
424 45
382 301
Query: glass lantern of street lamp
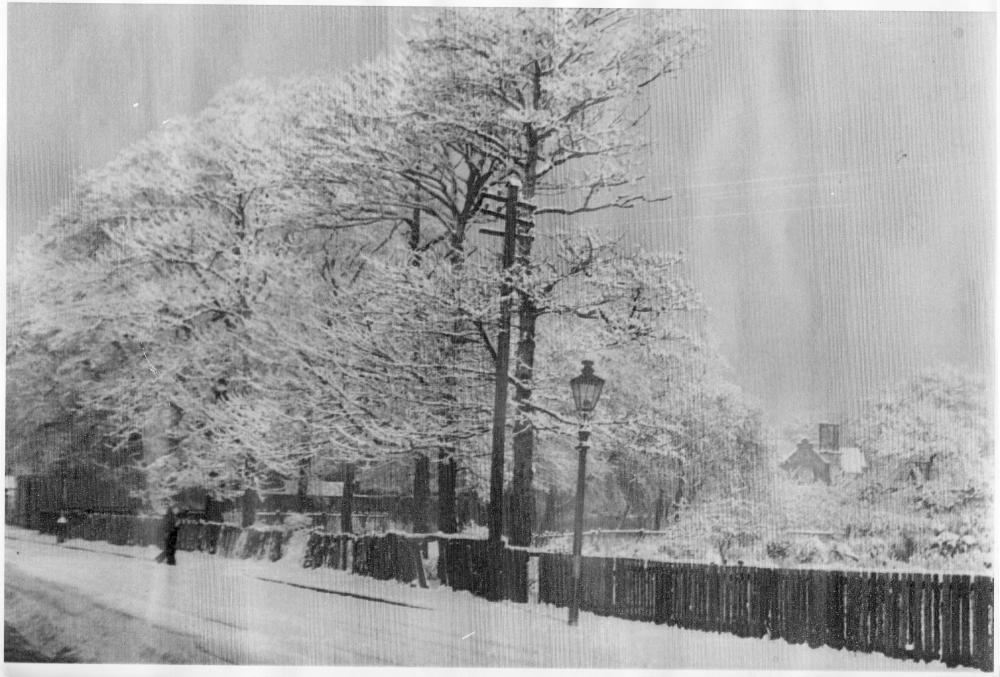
586 389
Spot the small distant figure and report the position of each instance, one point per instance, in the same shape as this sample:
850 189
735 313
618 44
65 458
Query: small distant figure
170 529
62 527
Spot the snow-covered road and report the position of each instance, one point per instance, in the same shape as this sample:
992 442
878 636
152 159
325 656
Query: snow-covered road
115 604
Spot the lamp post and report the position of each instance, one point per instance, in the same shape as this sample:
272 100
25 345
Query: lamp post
586 391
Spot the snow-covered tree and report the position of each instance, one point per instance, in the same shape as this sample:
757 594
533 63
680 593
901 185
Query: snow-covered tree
554 96
930 441
151 272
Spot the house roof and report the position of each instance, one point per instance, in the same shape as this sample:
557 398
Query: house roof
784 449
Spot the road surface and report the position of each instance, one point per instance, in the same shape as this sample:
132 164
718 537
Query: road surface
98 603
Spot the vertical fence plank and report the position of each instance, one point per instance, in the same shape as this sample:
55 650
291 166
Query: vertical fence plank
881 614
902 616
543 579
928 647
729 601
752 603
947 637
741 601
712 611
908 609
649 588
560 579
799 608
782 584
917 616
853 609
680 596
932 589
897 625
701 576
773 599
779 584
738 601
554 574
732 595
893 617
758 603
661 592
519 576
964 595
684 599
982 627
692 589
954 622
797 602
815 607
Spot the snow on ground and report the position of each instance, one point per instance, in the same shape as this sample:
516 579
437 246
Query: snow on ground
114 604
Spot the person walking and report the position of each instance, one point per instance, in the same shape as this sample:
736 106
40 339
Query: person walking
170 529
62 528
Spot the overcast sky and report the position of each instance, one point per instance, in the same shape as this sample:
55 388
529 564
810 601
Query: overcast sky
832 173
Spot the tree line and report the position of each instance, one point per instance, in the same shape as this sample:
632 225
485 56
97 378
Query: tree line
294 278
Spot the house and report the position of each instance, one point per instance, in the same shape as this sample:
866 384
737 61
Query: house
829 462
806 464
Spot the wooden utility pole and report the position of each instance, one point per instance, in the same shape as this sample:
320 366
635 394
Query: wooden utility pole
347 501
495 513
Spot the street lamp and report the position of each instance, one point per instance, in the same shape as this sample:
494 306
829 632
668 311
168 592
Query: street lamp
586 391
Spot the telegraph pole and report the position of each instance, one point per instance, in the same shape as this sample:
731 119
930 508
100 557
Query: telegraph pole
495 514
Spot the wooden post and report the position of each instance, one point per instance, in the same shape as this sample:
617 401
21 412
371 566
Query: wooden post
347 501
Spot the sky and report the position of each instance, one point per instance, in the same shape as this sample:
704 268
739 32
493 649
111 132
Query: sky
833 174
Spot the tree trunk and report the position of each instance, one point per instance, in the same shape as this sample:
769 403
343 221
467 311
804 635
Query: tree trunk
421 464
447 472
549 518
523 443
658 510
522 494
213 510
621 522
421 493
303 486
678 497
249 508
347 501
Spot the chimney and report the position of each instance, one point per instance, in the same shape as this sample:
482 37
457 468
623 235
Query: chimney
829 437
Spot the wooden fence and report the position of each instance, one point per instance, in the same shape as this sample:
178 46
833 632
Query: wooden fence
463 565
945 617
212 537
114 529
902 615
230 540
462 562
